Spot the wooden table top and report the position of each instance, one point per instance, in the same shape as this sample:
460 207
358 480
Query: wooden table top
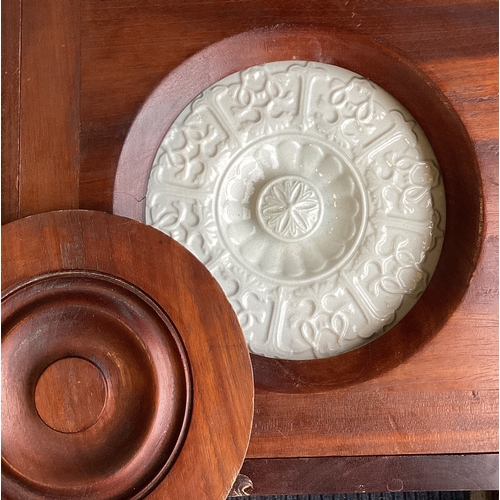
75 74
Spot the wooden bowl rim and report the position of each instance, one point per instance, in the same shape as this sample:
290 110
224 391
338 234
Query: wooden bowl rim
375 61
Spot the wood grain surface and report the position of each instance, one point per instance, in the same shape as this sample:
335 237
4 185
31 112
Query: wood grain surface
176 415
444 397
49 106
11 62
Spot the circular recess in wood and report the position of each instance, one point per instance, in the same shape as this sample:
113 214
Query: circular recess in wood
70 394
115 366
447 135
110 384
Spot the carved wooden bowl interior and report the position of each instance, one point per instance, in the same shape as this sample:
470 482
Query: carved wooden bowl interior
416 92
117 368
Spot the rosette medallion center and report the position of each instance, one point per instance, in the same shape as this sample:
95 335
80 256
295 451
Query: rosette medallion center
289 208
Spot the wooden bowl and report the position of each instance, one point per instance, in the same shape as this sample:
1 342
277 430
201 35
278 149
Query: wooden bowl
124 375
430 108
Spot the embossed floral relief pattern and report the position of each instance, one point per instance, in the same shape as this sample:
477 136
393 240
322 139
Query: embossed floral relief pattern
312 196
290 209
264 178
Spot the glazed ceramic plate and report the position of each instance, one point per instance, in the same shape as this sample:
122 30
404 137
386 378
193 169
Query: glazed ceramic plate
311 195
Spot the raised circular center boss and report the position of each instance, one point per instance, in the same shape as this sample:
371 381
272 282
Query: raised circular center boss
289 207
70 395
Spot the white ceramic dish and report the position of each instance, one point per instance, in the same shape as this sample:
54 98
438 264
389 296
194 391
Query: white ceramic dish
312 196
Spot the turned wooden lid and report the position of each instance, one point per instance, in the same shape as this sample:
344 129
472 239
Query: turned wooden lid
125 372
